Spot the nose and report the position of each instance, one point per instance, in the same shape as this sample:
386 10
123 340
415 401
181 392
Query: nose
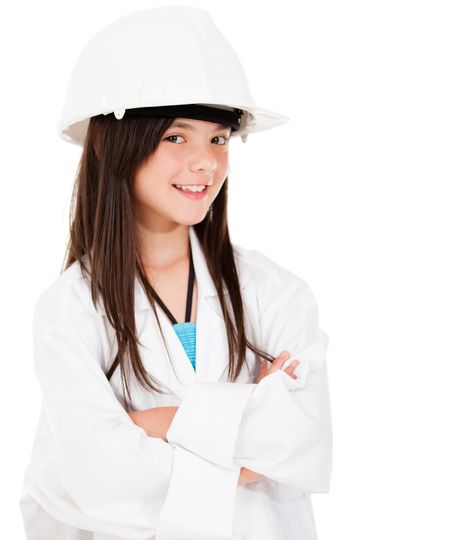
204 159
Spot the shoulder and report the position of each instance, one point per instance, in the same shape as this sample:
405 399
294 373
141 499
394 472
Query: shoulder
286 307
66 298
267 276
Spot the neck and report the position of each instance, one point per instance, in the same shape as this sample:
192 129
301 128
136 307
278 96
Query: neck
162 249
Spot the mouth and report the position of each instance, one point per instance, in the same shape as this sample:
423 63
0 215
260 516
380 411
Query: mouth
195 195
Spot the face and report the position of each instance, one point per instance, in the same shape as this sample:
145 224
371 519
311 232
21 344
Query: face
193 153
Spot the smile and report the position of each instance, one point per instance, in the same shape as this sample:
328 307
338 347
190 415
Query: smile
199 193
194 187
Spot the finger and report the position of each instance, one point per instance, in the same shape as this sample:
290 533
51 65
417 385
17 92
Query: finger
291 368
284 354
279 361
281 358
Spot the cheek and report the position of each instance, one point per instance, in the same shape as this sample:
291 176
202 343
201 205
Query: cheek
153 175
166 158
222 161
145 185
144 190
224 168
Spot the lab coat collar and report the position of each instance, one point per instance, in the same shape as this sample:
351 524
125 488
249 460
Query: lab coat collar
205 284
212 352
211 337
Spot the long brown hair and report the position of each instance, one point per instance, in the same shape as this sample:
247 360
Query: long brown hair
102 227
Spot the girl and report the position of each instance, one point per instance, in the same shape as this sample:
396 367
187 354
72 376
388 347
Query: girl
169 409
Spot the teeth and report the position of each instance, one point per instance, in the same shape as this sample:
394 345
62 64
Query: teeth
194 188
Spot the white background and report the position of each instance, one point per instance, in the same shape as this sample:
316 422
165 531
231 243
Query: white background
351 194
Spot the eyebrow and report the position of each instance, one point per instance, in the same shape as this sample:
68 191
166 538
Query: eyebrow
190 126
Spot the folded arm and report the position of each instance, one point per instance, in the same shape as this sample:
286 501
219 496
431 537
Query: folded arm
107 468
285 428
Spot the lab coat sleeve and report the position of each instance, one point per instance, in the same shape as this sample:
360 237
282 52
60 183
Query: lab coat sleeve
116 480
286 432
282 429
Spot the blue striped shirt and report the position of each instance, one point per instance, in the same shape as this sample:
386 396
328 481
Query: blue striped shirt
186 332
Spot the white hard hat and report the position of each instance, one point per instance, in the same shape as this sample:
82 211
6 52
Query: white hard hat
164 56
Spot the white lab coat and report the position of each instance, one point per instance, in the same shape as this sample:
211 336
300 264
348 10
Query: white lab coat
95 475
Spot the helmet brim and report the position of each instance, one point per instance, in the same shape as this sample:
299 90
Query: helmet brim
253 119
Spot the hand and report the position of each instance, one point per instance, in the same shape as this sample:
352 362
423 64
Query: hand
276 364
246 476
156 421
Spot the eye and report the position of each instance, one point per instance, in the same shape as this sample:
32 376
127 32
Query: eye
223 137
171 136
226 139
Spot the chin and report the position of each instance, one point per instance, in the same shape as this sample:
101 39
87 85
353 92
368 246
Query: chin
192 221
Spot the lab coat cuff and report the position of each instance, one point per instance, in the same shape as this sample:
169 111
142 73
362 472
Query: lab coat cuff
199 504
207 421
301 372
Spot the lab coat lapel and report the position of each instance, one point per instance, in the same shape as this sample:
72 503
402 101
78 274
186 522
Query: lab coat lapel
211 337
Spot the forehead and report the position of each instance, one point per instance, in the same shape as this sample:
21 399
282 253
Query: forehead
192 124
